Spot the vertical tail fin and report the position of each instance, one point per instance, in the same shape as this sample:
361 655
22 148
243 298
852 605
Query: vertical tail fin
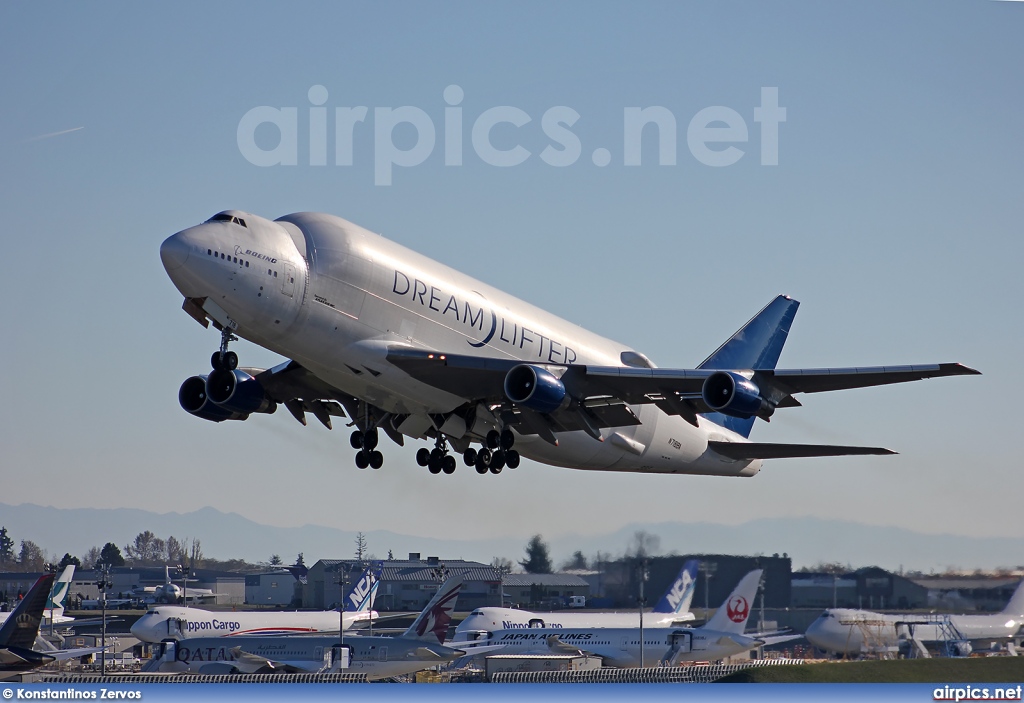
363 592
21 627
732 616
679 595
55 603
756 345
432 624
1016 605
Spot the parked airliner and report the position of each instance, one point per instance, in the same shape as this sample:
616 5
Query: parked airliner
419 647
54 609
850 631
409 347
673 609
721 637
174 622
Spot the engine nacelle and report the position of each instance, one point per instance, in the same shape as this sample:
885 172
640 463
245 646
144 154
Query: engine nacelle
193 399
239 392
731 394
535 388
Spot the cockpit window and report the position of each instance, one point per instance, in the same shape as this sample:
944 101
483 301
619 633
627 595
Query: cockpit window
224 217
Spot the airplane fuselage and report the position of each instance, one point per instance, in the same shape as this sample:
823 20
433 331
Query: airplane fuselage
335 297
492 619
175 622
851 631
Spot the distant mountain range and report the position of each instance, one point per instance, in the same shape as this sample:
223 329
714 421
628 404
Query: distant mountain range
228 535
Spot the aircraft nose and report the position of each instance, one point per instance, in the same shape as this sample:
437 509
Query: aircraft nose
174 252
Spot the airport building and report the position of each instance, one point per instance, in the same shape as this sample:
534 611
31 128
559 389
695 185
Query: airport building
405 584
543 590
871 588
272 589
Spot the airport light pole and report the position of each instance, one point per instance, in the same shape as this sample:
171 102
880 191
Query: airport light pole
708 569
641 601
342 580
104 584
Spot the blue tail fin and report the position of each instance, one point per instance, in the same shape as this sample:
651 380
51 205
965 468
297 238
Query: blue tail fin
363 592
756 345
679 595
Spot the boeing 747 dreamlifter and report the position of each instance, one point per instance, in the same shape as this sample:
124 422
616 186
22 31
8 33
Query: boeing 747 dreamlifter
409 347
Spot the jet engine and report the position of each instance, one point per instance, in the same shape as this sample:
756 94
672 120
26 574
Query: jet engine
193 399
731 394
535 388
238 391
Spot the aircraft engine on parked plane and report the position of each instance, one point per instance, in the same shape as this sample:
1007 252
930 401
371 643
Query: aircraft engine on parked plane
535 388
731 394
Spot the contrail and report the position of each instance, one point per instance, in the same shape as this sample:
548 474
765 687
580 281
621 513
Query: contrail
51 134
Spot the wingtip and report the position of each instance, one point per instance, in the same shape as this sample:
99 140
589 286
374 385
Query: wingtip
958 369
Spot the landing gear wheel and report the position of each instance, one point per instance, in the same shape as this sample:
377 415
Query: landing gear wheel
370 439
507 439
230 361
376 460
215 361
493 439
362 460
469 457
356 440
423 456
434 466
436 454
483 460
497 462
448 464
512 459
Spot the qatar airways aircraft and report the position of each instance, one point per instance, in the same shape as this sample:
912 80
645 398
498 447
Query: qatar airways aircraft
409 347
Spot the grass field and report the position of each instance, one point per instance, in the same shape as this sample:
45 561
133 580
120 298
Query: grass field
978 670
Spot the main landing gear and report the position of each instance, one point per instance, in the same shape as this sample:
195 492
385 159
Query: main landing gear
495 455
366 443
437 459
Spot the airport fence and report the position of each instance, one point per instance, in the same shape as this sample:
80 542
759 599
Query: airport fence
666 674
134 679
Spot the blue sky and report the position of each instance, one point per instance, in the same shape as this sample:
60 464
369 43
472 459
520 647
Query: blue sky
894 215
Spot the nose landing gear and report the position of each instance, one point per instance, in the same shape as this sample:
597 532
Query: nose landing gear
222 358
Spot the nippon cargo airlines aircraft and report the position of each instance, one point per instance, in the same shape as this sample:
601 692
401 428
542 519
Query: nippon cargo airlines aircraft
673 609
175 622
420 647
850 631
409 347
721 637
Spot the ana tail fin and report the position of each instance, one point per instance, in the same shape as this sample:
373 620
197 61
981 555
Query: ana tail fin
431 625
756 345
732 616
679 595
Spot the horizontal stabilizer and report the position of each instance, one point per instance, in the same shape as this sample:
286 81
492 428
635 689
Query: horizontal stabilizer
764 450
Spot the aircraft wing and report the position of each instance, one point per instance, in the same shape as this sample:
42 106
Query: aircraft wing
255 664
605 392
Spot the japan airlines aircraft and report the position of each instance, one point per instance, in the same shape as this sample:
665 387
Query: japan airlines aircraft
849 631
721 637
175 622
421 646
673 609
409 347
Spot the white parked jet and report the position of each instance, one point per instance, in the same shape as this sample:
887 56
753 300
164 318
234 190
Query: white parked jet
721 637
851 631
419 647
174 622
410 347
673 609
